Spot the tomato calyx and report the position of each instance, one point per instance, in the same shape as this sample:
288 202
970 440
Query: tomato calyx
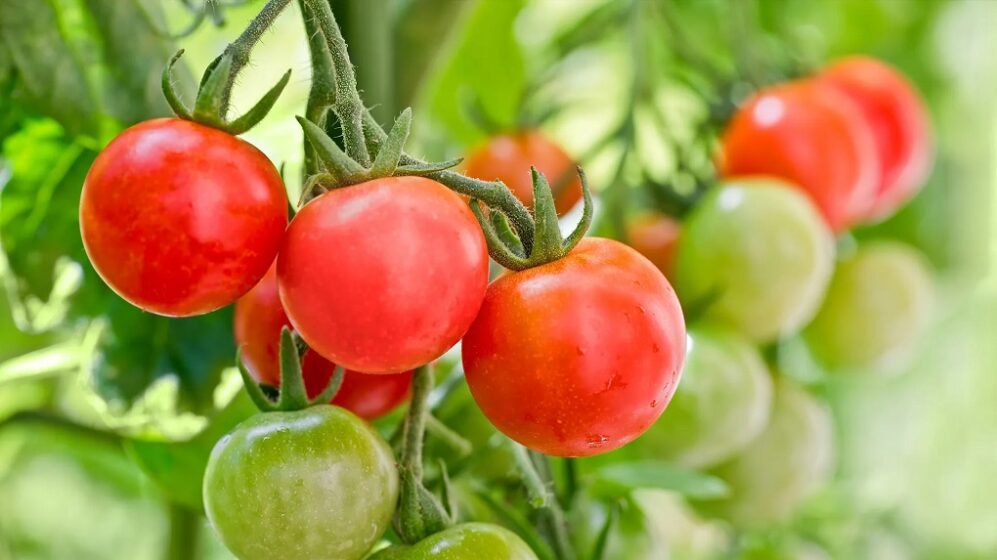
507 248
340 170
292 394
215 91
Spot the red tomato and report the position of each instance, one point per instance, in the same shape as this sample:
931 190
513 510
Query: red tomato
259 319
508 158
655 236
899 122
181 219
813 137
578 356
383 276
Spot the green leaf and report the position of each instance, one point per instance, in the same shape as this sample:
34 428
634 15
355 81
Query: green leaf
177 468
485 62
658 474
92 65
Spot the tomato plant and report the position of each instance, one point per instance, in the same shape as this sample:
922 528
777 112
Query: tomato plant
508 158
877 306
784 465
313 483
720 406
814 138
468 541
899 122
365 305
259 318
578 356
181 219
756 257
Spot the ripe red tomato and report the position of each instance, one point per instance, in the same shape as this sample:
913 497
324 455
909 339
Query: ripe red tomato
655 236
899 123
508 158
578 356
383 276
259 319
181 219
813 137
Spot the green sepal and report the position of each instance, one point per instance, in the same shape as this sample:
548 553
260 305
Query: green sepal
585 222
253 388
506 234
208 106
169 90
498 250
333 158
256 114
390 152
547 240
420 513
293 395
421 169
447 494
331 388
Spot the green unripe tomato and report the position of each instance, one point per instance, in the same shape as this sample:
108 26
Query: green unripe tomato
783 466
315 483
721 404
468 541
877 306
758 254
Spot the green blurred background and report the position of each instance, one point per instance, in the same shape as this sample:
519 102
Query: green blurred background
82 377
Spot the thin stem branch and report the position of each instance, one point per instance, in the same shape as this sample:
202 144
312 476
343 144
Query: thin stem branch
414 429
348 105
243 45
322 93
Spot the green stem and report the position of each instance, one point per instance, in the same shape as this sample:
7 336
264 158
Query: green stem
241 47
184 529
322 93
367 27
414 430
493 193
536 475
348 106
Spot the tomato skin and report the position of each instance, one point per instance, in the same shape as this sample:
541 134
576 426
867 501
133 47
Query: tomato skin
899 121
810 136
383 276
579 356
467 541
508 158
783 466
722 404
180 219
756 253
877 307
656 236
315 483
259 318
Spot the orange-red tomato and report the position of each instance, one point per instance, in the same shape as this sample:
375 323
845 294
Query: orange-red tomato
655 236
383 276
578 356
899 123
508 158
813 137
180 218
259 319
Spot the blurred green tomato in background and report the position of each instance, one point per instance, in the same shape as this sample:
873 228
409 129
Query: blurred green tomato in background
791 459
877 306
757 255
722 403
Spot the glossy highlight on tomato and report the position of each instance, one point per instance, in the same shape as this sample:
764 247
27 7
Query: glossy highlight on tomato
899 121
578 356
508 158
180 219
383 276
812 137
467 541
314 483
259 318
